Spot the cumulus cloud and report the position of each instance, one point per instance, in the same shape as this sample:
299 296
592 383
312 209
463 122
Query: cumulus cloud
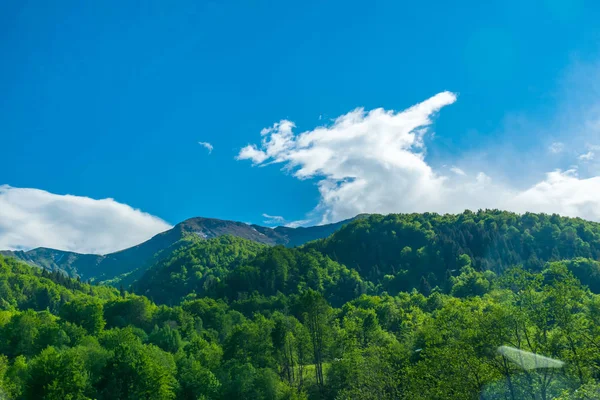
207 146
375 162
32 218
250 152
586 156
562 192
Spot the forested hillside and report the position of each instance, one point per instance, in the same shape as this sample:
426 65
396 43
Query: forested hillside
195 269
375 254
399 250
487 305
236 269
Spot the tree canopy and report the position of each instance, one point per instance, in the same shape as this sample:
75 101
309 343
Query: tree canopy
482 305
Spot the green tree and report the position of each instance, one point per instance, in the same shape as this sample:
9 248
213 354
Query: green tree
137 371
57 375
196 381
316 314
85 312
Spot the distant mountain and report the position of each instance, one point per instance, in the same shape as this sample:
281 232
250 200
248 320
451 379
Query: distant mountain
52 259
134 260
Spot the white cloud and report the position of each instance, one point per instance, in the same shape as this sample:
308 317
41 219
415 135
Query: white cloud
556 147
207 145
374 162
273 219
300 222
250 152
458 171
587 156
281 221
32 218
562 192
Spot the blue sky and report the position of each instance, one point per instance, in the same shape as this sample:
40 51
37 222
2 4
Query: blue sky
111 99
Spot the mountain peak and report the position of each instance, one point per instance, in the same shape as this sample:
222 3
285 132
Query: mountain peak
208 228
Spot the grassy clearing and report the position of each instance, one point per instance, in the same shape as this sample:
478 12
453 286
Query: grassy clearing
309 373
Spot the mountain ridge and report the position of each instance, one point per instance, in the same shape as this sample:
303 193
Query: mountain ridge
109 266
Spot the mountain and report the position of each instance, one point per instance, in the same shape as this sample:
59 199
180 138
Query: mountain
126 265
57 260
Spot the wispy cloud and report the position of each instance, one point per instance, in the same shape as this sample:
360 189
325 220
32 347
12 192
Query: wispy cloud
206 145
281 221
556 147
300 222
32 218
374 162
458 171
273 219
586 156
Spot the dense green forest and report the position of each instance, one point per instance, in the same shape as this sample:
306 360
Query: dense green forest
486 305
